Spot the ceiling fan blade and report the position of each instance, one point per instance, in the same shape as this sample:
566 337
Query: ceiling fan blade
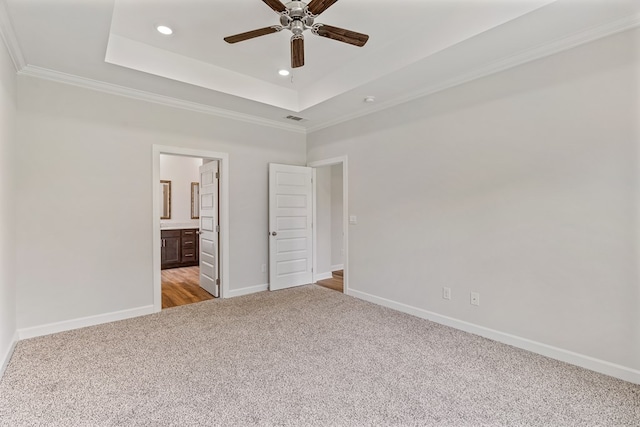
340 34
318 6
275 5
297 51
252 34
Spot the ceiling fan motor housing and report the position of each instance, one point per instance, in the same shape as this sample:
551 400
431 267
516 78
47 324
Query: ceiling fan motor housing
297 17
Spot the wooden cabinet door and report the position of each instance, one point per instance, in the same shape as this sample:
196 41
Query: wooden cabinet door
172 250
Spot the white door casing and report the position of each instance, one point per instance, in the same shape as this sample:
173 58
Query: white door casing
290 226
209 228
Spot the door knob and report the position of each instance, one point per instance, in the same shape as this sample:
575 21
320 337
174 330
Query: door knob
273 233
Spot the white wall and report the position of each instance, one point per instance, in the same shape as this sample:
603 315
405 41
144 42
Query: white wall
336 217
7 204
84 208
181 171
522 186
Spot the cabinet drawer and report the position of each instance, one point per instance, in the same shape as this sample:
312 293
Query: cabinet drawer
188 255
190 233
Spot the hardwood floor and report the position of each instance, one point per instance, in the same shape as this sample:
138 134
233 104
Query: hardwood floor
336 282
181 286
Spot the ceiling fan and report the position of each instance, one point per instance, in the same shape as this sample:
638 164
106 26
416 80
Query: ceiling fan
298 16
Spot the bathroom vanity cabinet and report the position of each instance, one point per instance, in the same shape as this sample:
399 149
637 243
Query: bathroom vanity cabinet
179 248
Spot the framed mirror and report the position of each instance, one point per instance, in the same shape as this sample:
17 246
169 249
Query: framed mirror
195 200
165 212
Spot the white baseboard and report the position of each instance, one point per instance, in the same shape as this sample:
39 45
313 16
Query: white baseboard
337 267
587 362
7 355
67 325
248 290
322 276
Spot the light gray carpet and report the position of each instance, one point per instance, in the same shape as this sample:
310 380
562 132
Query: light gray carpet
306 356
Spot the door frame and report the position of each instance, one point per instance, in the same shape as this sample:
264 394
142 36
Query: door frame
223 193
342 160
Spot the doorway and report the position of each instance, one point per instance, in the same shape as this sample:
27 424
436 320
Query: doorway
186 241
330 201
181 232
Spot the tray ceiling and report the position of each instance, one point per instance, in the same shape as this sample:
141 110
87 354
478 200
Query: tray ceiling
416 47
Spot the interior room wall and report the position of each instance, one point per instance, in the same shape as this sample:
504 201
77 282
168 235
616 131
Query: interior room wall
323 222
7 204
522 186
181 171
84 164
337 250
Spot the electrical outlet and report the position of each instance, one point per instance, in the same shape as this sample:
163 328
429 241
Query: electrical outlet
264 268
475 298
446 293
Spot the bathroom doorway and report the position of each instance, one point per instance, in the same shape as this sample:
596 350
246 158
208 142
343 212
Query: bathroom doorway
190 228
181 232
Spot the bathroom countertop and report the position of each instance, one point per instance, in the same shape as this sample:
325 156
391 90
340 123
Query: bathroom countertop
178 226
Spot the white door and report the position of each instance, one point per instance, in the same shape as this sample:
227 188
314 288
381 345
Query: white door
209 228
290 227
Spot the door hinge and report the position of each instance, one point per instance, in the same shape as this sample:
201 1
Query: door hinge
217 228
217 281
217 175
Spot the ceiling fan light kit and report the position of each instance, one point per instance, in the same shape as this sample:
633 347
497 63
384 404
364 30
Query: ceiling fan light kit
297 17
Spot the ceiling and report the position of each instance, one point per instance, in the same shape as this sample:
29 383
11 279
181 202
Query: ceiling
416 47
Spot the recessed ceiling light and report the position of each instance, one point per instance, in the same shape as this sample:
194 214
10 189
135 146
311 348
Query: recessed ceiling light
284 72
370 99
163 29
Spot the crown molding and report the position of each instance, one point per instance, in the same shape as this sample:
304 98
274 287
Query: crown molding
8 35
113 89
529 55
557 46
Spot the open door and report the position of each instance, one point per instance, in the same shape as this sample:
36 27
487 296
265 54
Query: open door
209 228
290 226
